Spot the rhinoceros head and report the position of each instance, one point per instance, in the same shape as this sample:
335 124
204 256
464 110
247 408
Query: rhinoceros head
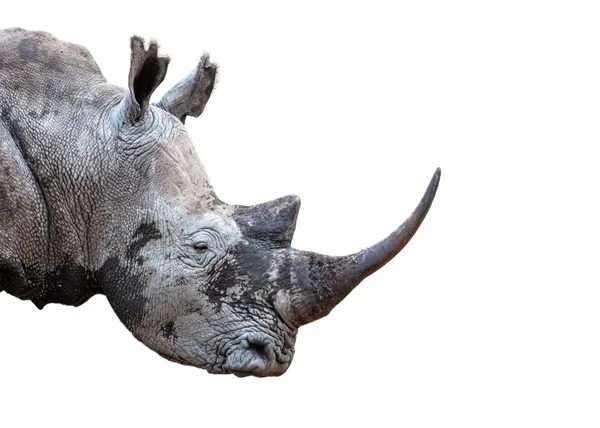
203 282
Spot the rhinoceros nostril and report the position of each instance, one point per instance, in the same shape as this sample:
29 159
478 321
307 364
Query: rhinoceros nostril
258 348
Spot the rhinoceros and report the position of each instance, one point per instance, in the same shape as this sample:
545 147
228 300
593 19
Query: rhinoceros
102 192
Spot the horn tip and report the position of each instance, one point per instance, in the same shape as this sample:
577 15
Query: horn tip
435 180
294 199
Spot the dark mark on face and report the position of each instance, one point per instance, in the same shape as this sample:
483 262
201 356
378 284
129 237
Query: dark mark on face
145 233
168 331
71 284
244 278
124 290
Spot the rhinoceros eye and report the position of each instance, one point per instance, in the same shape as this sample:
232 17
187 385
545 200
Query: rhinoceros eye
199 254
201 246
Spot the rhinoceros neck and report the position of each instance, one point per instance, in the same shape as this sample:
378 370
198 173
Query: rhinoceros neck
54 105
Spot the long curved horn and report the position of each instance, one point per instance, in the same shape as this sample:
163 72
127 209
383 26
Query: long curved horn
373 258
321 282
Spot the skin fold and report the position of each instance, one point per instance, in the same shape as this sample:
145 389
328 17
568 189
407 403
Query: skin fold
102 192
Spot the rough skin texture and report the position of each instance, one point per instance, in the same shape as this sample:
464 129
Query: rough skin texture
102 192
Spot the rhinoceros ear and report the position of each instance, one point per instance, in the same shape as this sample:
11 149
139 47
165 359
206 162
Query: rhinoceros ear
273 223
189 97
147 72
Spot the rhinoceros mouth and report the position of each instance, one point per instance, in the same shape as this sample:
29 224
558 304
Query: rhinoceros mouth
258 373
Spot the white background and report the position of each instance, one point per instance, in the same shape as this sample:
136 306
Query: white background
489 318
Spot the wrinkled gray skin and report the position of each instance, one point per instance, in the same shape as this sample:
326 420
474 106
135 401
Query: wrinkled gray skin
102 192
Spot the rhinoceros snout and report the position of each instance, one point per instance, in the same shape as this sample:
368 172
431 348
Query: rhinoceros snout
257 356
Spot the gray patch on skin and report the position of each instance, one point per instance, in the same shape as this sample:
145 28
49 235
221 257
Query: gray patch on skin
28 49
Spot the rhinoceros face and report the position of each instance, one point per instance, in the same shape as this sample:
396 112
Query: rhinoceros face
203 282
210 297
